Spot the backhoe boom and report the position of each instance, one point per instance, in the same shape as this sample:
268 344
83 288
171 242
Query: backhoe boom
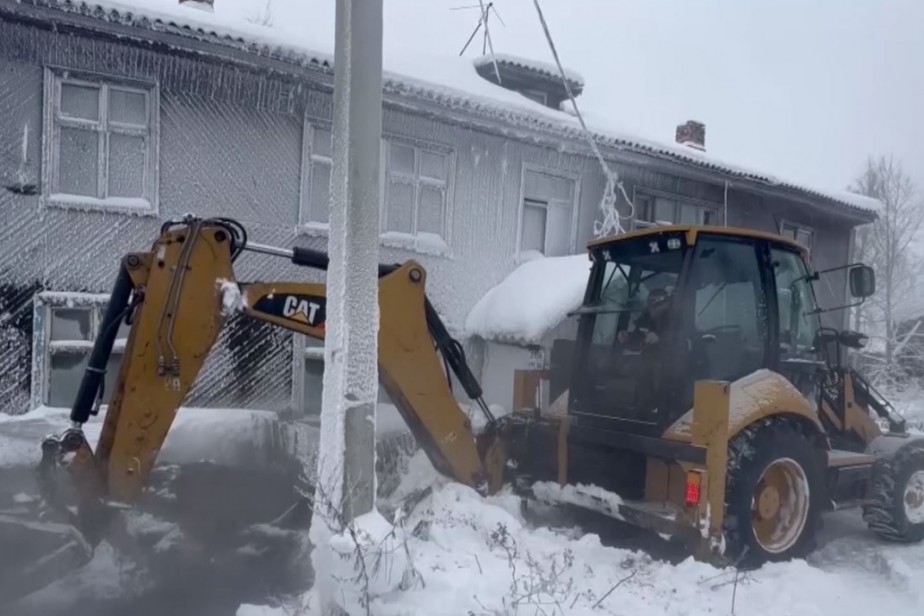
177 297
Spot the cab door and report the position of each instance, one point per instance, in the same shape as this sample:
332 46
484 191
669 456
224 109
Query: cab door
728 309
796 351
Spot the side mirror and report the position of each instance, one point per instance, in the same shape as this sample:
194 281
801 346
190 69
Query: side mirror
853 340
862 281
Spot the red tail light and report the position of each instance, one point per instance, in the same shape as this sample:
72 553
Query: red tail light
693 491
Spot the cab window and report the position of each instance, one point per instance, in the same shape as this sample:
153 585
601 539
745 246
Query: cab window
730 309
796 302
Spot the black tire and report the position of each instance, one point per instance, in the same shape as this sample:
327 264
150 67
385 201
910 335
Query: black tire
786 446
887 514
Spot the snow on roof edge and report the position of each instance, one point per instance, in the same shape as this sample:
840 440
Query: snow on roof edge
485 97
545 68
531 300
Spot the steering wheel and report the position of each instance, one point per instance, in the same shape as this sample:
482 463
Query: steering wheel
711 333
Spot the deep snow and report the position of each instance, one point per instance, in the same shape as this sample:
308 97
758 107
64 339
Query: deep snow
469 555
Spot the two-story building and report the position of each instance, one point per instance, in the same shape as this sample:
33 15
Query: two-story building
115 117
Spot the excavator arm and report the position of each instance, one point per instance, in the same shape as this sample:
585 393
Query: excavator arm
178 296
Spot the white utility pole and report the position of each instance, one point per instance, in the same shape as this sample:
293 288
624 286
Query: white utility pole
346 453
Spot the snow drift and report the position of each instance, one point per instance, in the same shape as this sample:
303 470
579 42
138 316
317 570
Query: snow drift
471 555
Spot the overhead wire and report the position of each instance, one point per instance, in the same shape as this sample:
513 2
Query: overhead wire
611 223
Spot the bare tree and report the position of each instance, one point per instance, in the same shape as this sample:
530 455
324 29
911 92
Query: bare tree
885 245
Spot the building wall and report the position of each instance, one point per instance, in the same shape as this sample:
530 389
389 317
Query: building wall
231 143
238 142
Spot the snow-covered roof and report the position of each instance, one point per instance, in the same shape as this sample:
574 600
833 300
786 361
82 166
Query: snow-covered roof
448 81
531 300
543 68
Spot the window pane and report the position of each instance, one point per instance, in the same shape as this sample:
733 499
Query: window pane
536 185
709 217
66 373
70 323
664 210
644 208
319 197
430 212
321 142
795 298
804 237
433 165
560 189
78 164
126 165
400 204
123 328
80 101
689 214
127 107
533 232
730 309
402 159
314 381
545 186
559 231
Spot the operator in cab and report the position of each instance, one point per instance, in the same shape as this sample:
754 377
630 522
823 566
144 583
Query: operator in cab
650 324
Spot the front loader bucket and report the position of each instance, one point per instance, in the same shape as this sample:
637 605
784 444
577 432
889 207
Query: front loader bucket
36 554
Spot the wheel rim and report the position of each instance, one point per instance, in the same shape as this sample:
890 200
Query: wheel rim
780 506
914 498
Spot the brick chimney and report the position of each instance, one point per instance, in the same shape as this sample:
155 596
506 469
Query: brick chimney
692 134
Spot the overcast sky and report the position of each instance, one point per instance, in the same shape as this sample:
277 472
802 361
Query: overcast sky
802 88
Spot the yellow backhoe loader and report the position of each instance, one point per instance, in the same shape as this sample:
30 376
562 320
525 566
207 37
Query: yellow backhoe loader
701 398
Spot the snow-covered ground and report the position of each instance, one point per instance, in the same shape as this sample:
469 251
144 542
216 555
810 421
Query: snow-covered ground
456 553
469 555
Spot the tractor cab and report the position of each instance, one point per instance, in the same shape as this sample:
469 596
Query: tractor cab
669 306
701 390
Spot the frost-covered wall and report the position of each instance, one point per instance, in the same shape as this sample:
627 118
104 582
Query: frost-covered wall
230 143
231 139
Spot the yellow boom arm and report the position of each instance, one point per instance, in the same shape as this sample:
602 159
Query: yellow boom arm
177 297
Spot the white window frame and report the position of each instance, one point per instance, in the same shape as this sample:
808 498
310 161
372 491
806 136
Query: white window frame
648 193
52 122
796 228
575 200
43 347
412 240
310 160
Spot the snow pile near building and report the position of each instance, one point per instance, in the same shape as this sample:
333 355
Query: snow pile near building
471 555
533 299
